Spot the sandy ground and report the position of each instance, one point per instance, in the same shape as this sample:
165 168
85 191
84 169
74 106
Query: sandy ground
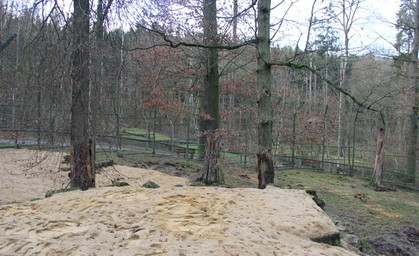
28 174
165 221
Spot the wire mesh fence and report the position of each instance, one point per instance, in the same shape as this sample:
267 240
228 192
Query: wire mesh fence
155 134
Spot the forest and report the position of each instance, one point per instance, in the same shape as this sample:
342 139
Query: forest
226 95
186 79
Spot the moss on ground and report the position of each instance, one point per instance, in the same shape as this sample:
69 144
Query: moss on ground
63 190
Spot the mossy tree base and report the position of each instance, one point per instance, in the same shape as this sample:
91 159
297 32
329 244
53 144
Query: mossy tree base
212 173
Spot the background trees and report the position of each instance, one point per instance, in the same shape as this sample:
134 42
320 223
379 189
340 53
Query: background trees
414 91
147 71
407 43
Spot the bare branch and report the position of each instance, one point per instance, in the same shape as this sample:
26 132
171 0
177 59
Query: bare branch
244 10
282 19
8 41
171 43
310 24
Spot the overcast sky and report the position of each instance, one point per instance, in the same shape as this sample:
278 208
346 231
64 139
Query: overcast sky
374 29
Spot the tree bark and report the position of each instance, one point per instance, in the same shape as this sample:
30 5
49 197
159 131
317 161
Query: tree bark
201 124
97 77
378 169
212 172
81 169
413 131
265 114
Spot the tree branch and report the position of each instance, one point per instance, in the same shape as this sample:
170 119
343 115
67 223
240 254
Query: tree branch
170 43
3 46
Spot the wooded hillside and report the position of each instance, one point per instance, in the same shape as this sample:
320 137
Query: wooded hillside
149 66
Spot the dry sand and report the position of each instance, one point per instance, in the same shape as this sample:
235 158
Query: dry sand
28 174
165 221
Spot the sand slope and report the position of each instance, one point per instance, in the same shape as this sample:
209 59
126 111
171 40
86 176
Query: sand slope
28 174
167 221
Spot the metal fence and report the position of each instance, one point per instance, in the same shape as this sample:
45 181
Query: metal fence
156 134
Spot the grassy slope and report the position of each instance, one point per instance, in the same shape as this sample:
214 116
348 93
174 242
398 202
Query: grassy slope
137 133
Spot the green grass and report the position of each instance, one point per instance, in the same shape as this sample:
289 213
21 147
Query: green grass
191 146
137 133
231 156
7 145
355 205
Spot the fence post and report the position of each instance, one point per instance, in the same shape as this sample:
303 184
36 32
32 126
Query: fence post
351 172
39 118
172 134
349 155
293 139
148 132
118 133
293 132
344 158
154 130
117 103
187 124
324 134
246 137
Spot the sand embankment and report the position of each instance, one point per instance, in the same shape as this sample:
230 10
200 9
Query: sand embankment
165 221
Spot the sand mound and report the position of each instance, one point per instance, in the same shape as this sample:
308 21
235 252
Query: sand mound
28 174
167 221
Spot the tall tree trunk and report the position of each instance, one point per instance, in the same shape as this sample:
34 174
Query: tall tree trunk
81 170
51 134
233 74
212 172
96 81
378 168
235 12
98 70
326 75
265 114
201 124
119 87
413 132
349 12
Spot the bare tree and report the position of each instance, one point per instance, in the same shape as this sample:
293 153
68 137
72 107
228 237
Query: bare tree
379 157
81 165
96 84
349 10
414 73
264 80
212 171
